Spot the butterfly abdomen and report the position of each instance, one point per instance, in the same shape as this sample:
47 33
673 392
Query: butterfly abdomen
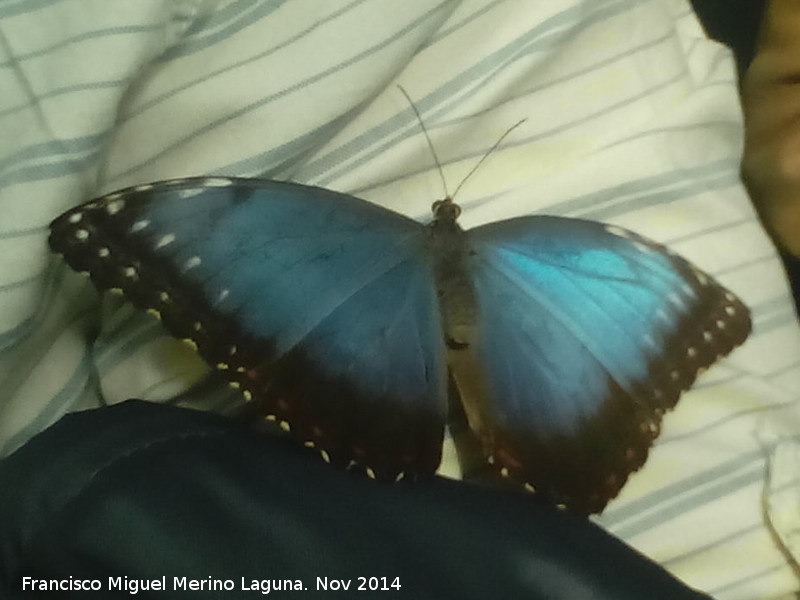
459 310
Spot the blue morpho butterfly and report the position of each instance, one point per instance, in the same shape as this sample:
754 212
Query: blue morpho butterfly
559 341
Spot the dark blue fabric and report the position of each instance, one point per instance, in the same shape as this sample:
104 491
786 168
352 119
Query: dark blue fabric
146 491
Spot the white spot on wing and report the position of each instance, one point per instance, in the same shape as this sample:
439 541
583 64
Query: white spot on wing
103 252
190 193
192 263
143 188
139 225
217 182
75 218
165 240
115 206
81 234
618 231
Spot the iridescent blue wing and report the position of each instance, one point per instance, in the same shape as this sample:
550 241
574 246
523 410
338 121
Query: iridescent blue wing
588 333
319 306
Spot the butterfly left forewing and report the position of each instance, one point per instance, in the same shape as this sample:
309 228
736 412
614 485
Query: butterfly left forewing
587 334
318 306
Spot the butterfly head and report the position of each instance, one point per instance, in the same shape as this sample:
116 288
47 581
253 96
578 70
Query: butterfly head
445 210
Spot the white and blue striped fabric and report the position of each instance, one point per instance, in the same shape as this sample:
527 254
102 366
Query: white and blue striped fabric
632 118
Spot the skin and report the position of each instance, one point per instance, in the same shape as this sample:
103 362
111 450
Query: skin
771 100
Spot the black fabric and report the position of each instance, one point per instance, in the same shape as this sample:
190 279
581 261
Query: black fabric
145 491
736 27
793 270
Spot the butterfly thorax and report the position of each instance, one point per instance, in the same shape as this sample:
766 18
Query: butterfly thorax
450 250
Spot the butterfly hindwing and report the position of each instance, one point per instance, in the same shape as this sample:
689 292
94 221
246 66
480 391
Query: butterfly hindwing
588 333
318 305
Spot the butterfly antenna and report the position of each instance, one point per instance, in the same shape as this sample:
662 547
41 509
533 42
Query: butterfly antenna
488 153
427 137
